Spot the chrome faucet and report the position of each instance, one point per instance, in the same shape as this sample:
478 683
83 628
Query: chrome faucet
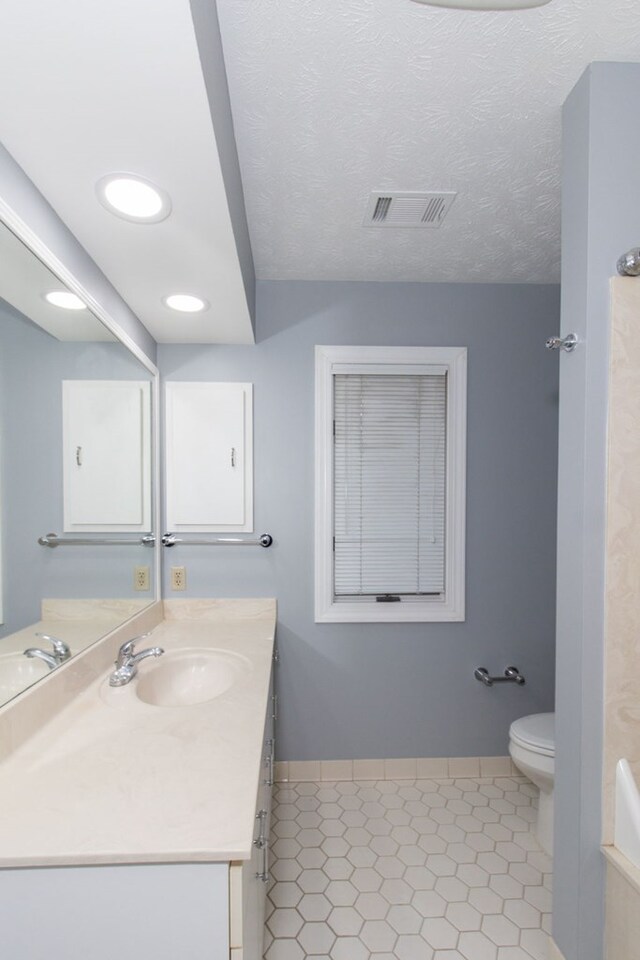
127 661
61 651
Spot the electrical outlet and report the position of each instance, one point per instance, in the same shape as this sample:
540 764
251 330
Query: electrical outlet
178 578
141 578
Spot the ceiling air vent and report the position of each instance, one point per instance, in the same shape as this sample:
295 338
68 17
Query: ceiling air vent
394 209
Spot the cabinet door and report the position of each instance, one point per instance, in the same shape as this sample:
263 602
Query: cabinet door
247 902
177 911
248 880
209 460
107 455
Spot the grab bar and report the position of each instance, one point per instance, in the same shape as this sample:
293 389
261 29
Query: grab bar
511 675
264 540
168 540
53 540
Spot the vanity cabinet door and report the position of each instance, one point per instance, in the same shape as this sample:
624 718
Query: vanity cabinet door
139 912
247 892
106 455
248 880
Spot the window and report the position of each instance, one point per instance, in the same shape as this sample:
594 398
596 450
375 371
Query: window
390 483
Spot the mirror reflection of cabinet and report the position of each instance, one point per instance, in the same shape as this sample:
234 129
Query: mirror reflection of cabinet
106 455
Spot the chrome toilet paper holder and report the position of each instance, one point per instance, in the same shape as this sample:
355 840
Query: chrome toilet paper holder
511 675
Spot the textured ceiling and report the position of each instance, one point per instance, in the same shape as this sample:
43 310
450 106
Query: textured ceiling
332 100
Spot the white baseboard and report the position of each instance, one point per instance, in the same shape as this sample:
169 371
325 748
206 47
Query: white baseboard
403 768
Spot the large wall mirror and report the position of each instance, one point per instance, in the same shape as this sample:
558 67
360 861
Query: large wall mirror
75 461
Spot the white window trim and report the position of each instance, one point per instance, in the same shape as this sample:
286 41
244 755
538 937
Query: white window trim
452 607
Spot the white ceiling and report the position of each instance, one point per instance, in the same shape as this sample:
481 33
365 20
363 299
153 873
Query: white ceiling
90 89
333 100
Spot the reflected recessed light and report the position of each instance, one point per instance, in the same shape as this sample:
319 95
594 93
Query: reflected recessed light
65 299
185 303
133 198
485 4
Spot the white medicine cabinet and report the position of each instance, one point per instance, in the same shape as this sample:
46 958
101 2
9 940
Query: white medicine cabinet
209 457
107 455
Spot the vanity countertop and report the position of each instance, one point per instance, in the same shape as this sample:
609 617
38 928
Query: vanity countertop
78 622
111 779
77 633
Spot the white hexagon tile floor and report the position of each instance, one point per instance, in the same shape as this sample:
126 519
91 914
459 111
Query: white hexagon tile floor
407 870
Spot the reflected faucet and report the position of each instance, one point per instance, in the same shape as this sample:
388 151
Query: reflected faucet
127 661
48 658
61 651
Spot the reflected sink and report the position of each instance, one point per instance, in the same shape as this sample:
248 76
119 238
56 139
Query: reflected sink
18 672
191 676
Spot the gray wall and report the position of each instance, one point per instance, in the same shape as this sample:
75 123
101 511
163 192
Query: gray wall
28 203
601 219
370 690
32 367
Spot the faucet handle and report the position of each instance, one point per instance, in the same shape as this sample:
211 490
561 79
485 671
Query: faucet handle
127 648
127 661
61 649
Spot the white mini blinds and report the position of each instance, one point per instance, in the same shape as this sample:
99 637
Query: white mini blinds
390 483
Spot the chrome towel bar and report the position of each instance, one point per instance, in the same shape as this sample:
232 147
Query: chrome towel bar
53 540
511 675
168 540
264 540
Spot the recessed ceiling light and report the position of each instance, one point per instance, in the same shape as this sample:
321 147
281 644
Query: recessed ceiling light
65 299
133 198
485 4
185 303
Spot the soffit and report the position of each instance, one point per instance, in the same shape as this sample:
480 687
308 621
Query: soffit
90 89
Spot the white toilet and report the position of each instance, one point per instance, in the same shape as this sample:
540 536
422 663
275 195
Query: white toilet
532 745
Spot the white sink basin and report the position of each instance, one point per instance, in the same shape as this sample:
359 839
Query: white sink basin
189 676
18 672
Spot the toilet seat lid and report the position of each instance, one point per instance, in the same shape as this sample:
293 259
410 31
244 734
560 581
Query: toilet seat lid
535 732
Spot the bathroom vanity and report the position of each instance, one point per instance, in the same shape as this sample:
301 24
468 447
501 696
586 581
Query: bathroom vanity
135 820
